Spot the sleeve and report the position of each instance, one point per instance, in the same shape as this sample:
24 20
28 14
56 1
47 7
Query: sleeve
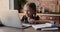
24 19
36 18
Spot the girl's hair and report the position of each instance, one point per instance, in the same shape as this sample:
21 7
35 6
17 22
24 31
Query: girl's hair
32 6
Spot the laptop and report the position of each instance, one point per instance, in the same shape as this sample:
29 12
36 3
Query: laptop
11 18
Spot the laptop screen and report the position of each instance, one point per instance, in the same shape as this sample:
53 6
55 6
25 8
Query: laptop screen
11 18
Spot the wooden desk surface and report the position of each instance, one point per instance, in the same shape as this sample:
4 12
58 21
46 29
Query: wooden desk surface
10 29
32 30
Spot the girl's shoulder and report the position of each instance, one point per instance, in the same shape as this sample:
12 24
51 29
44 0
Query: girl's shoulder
36 17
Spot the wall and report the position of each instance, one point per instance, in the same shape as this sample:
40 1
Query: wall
4 5
48 4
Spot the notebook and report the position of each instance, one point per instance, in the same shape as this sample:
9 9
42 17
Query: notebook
50 28
44 26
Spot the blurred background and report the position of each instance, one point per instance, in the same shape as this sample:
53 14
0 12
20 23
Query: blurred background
41 5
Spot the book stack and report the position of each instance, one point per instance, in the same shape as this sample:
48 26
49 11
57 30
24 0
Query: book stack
46 26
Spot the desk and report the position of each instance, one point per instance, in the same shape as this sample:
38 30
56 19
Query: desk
10 29
32 30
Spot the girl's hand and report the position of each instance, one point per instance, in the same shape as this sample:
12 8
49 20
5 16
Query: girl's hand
31 21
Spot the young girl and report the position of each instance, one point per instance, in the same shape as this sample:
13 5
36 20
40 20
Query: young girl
30 13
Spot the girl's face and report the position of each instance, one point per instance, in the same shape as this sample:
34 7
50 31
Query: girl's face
29 12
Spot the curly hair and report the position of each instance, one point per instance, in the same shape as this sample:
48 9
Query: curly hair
32 6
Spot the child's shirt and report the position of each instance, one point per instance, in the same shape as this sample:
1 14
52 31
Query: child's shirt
25 19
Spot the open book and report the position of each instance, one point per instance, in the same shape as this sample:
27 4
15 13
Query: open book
44 26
